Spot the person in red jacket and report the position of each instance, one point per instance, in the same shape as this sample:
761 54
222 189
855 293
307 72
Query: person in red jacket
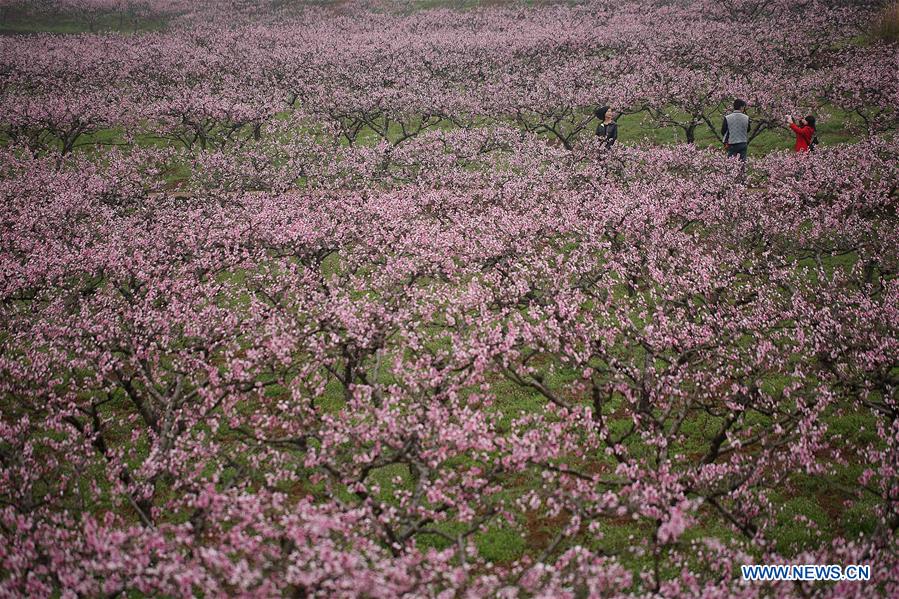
805 132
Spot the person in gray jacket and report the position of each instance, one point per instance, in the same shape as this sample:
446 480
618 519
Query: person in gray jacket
735 131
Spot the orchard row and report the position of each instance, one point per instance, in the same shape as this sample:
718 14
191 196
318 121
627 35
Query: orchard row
214 79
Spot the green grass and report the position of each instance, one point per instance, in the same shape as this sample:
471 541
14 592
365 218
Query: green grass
500 544
62 24
859 519
801 524
858 429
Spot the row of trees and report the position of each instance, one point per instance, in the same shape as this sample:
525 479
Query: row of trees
208 85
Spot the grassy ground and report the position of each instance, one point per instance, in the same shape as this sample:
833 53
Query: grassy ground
19 24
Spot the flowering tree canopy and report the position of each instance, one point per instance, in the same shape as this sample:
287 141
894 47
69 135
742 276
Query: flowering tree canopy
380 322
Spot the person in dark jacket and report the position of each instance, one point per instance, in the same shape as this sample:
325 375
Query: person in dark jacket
805 132
735 131
607 128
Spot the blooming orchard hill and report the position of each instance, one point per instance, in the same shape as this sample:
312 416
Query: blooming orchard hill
347 300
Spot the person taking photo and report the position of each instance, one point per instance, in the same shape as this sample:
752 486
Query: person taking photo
805 132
